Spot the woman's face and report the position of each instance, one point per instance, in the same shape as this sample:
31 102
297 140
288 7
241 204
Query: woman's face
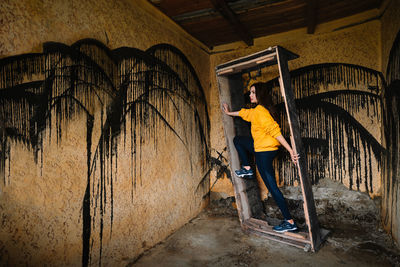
253 98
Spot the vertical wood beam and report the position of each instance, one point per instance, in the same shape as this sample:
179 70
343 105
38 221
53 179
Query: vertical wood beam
233 20
310 213
243 207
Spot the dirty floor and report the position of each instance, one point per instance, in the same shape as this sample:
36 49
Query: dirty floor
215 238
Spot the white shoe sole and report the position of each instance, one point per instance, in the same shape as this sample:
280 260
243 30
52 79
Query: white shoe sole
244 175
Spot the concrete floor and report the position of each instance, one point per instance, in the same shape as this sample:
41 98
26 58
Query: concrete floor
215 238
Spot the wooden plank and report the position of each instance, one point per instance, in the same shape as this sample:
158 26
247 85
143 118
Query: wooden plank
250 188
178 7
254 60
229 15
300 235
238 184
264 227
238 61
286 241
297 145
304 242
248 64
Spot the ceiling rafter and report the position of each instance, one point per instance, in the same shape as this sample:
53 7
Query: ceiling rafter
222 7
311 16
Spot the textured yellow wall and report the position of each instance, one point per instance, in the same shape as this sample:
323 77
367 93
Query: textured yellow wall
41 207
25 25
350 40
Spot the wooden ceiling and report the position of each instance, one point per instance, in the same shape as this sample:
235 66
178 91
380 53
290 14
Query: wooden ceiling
217 22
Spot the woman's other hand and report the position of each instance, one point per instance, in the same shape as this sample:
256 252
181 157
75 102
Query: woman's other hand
294 157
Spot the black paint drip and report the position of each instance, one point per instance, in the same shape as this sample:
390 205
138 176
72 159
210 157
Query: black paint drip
156 91
327 122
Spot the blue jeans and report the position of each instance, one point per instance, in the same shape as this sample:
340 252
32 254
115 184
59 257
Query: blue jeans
245 146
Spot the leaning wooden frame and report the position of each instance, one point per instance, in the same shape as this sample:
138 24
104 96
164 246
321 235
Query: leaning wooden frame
229 77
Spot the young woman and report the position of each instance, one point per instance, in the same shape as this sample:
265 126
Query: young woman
264 143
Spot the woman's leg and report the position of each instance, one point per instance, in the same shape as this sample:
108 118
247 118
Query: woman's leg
244 146
266 169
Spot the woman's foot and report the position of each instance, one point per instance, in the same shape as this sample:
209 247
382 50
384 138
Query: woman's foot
243 172
285 226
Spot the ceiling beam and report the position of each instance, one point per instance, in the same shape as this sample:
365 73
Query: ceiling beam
311 16
233 20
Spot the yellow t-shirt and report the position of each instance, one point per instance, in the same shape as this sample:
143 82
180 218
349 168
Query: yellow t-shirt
264 128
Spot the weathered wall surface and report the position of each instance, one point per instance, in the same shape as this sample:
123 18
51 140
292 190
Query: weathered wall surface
25 25
390 25
391 123
96 189
350 41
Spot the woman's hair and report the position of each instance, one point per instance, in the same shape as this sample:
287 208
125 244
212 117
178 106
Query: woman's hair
264 98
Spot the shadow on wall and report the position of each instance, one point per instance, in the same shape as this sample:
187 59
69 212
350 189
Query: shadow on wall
138 93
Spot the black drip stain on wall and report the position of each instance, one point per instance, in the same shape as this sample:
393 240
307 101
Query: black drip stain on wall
391 123
155 91
328 96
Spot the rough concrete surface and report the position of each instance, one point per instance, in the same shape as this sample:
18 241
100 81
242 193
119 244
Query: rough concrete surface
215 238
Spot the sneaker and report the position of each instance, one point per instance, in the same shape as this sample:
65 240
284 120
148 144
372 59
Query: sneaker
285 226
243 172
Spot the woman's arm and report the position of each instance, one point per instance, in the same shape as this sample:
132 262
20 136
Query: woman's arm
285 144
225 109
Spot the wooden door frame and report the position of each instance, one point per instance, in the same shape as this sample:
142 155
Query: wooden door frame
246 191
